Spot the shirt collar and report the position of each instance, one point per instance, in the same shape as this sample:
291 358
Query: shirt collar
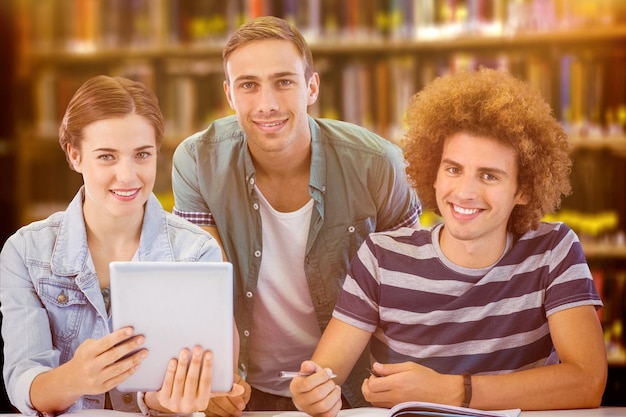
318 161
317 181
71 253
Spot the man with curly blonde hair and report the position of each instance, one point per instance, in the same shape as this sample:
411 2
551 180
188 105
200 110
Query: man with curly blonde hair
492 308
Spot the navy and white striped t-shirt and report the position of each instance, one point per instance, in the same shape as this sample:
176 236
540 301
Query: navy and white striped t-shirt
423 308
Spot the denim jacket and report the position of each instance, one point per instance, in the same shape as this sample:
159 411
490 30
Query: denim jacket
50 296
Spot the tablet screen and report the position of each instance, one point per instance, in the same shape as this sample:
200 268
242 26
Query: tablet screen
175 305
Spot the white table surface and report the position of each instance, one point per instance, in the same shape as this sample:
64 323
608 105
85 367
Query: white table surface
594 412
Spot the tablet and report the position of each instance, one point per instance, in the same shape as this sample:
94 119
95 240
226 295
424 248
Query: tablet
175 305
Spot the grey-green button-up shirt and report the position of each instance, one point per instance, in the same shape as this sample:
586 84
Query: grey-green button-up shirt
357 182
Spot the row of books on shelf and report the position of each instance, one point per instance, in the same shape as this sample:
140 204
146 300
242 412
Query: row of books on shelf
593 92
595 208
588 93
85 25
190 94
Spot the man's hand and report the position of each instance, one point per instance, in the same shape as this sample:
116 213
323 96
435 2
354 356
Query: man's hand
409 381
232 403
317 394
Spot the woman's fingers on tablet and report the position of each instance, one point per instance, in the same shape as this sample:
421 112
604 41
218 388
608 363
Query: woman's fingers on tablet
168 381
119 353
126 347
121 337
197 389
187 384
193 373
206 375
181 373
164 395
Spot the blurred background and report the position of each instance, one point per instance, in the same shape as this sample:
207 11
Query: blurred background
372 56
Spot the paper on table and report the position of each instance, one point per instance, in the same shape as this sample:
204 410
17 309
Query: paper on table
352 412
414 409
417 408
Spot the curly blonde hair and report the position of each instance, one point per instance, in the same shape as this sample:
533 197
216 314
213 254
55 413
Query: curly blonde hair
493 104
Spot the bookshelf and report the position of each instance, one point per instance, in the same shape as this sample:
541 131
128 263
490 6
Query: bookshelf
372 56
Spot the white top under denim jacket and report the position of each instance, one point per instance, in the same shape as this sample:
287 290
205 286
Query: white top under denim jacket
50 297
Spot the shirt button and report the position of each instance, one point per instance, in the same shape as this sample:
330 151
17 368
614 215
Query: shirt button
255 206
323 188
257 253
351 229
251 181
128 398
62 298
249 294
246 333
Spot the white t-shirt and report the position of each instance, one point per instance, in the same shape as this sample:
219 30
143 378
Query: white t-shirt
284 328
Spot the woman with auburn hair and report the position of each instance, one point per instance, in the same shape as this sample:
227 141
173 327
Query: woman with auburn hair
60 352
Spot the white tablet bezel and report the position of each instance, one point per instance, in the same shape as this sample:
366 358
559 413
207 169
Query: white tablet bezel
175 305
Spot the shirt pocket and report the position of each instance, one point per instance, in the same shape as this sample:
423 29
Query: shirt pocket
65 304
342 243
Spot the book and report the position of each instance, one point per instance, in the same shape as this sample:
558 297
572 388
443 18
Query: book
414 409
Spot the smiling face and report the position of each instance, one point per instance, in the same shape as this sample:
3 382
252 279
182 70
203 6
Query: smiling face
118 162
476 190
268 90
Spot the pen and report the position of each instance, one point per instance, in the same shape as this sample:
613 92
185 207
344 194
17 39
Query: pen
290 374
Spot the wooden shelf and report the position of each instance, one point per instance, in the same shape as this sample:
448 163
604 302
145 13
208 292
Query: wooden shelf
596 251
343 45
615 144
